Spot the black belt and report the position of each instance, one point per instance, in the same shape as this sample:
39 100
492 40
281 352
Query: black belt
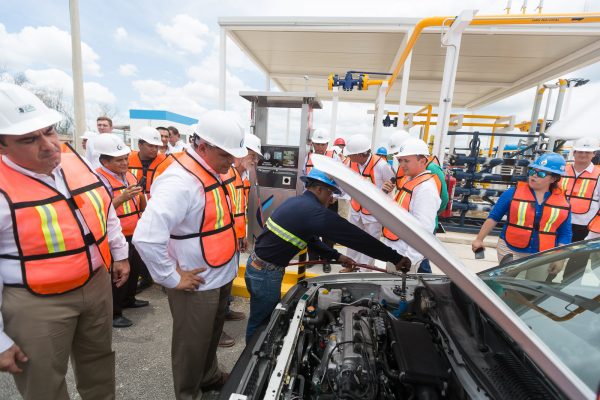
259 264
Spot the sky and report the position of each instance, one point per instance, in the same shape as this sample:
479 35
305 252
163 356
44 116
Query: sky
164 55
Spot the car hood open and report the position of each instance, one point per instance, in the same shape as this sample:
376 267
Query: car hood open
409 229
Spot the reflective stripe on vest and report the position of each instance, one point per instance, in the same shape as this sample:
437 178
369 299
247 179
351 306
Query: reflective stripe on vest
136 168
521 218
216 230
430 159
235 187
579 189
285 235
53 248
404 196
368 173
309 165
128 212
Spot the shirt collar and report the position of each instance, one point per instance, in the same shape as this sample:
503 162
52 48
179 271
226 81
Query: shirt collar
197 157
367 162
116 176
25 171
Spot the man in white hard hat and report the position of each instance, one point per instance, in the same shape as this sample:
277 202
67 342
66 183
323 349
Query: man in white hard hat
58 231
126 195
187 239
237 181
375 169
418 194
87 135
580 185
143 163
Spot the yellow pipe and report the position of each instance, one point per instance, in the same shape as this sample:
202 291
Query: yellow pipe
421 113
525 19
427 123
491 142
475 124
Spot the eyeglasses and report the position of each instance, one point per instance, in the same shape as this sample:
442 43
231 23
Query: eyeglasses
540 174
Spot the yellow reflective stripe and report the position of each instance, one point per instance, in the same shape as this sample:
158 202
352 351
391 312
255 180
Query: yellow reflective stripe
51 229
126 206
285 235
564 183
553 217
584 185
218 209
521 213
98 205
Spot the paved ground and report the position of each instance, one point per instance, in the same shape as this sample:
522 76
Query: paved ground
143 366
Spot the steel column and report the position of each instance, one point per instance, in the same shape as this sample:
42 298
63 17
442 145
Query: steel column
76 65
222 68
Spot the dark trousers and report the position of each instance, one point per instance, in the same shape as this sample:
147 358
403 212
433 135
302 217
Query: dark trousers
313 255
578 262
126 293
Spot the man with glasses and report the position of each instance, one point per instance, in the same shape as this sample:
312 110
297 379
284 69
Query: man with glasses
295 225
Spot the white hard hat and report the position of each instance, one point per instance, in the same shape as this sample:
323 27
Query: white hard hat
588 144
149 135
357 144
320 136
413 147
110 145
23 112
89 134
222 129
396 139
252 142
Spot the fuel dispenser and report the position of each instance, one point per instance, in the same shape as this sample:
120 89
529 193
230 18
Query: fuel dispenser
278 172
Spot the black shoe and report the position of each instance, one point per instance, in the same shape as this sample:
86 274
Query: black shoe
326 268
136 304
234 316
121 322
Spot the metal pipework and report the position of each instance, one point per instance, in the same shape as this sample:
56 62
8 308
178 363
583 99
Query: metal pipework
459 159
458 206
485 177
458 191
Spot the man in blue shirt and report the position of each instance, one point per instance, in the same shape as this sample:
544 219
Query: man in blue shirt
296 224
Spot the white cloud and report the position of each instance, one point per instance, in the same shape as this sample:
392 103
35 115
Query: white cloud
186 33
120 34
59 81
128 69
43 45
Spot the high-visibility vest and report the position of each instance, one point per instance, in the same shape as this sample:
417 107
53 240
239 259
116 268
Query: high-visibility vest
53 248
430 159
136 168
216 231
309 164
404 196
367 173
594 224
162 167
579 189
521 218
235 188
128 212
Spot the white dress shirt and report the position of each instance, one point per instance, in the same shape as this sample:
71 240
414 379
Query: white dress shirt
383 173
584 219
178 147
424 204
10 270
175 208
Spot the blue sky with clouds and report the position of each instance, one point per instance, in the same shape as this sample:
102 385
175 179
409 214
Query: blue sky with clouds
164 55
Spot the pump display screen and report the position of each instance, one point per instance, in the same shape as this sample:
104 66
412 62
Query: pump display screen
279 156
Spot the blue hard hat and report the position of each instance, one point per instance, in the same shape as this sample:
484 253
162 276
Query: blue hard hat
551 162
318 175
382 151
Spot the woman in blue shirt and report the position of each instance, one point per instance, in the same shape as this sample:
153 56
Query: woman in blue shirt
538 213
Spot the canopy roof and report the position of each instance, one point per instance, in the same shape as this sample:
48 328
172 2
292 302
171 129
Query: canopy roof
495 61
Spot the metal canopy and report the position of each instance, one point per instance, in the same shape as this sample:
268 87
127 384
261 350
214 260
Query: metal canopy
283 99
495 61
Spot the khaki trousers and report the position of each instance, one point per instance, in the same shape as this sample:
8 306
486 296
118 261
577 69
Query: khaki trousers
52 328
198 319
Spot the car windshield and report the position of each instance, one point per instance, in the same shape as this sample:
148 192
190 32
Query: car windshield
557 294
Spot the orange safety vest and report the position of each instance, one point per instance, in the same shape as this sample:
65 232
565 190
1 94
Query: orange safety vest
367 173
404 196
135 167
128 212
216 232
521 218
237 193
594 224
579 189
309 164
53 248
162 167
430 159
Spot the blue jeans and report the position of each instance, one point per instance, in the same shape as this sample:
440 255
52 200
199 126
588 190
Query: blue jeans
424 267
265 292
